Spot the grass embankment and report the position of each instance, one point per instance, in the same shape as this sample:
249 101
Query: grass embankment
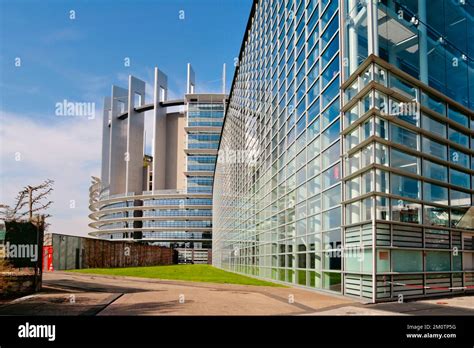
194 273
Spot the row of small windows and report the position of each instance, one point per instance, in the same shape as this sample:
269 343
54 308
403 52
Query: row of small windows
185 224
199 184
360 261
407 138
170 212
160 202
161 235
183 201
203 140
167 212
203 123
177 235
392 106
407 162
395 209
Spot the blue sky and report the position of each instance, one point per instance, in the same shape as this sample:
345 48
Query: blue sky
78 60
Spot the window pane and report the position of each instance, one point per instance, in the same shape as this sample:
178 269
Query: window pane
435 171
353 163
404 161
458 137
332 218
382 208
331 155
433 103
434 148
381 181
459 158
332 281
456 216
436 216
381 128
329 32
402 87
458 198
367 182
332 239
352 139
330 134
353 188
331 176
328 12
353 213
366 130
404 211
367 209
459 178
434 126
314 206
381 154
313 167
456 115
404 186
331 71
332 197
331 113
366 103
367 157
438 261
403 136
407 261
330 93
330 51
383 261
313 147
435 193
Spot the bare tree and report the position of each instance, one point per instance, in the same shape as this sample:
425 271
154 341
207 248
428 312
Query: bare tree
6 212
32 199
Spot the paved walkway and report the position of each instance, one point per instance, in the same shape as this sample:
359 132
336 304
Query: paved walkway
82 294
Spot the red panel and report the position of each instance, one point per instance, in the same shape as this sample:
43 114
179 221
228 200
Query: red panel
48 258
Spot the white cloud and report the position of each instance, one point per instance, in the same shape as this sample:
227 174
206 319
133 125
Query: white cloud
66 150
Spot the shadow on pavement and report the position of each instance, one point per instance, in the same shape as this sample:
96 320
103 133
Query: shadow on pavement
74 284
145 308
422 308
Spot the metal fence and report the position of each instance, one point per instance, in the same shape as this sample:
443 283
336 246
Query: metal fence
64 252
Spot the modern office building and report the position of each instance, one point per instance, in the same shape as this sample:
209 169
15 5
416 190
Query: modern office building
163 197
354 125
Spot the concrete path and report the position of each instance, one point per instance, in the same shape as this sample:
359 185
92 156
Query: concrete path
82 294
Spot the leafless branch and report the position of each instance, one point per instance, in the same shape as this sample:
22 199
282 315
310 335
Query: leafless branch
42 195
31 198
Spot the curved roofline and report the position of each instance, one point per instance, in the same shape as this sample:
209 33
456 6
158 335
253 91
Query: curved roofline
151 106
168 103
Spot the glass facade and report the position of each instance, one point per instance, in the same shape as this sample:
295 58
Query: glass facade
280 217
179 218
204 123
357 170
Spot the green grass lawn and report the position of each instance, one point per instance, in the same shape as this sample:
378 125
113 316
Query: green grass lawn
194 273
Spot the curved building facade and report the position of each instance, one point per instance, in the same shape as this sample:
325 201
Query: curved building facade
355 127
164 197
